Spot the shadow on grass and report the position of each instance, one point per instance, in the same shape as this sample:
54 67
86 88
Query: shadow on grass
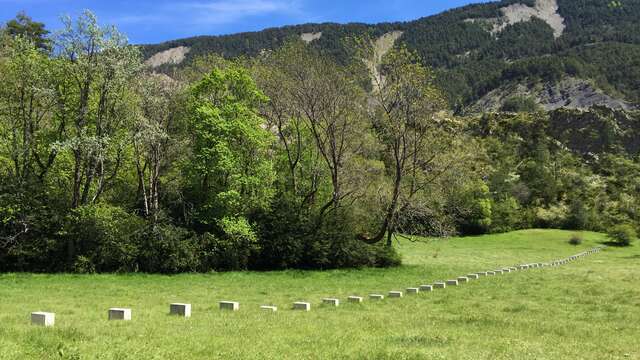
613 244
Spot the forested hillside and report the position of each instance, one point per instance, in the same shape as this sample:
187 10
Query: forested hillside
599 43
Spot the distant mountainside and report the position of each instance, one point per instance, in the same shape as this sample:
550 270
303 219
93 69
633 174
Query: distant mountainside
560 53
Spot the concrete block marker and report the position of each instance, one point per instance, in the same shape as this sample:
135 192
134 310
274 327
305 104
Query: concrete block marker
452 282
330 301
473 276
120 314
376 297
463 279
498 272
439 285
45 319
506 270
524 267
269 308
413 291
483 273
395 294
302 306
355 299
229 305
183 310
491 273
426 288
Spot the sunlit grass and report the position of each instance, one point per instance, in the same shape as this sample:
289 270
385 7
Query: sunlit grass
589 309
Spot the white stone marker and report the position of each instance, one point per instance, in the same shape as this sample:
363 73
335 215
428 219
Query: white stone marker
180 309
473 276
119 314
43 319
498 272
506 270
270 308
491 273
482 273
452 282
413 290
463 279
426 288
229 305
513 268
524 267
376 297
303 306
332 302
355 299
395 294
439 285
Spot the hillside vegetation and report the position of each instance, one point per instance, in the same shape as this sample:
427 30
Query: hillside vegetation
476 49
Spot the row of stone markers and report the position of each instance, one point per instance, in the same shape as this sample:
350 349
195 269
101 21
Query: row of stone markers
184 310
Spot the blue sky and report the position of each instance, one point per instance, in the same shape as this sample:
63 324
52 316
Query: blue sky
151 21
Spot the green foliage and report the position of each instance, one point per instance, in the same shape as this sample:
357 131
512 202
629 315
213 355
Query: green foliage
230 172
167 249
507 215
35 32
520 104
623 234
477 216
103 238
600 42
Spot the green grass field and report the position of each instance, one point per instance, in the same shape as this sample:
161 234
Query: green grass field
589 309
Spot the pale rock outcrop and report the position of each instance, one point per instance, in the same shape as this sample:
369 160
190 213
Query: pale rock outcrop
172 56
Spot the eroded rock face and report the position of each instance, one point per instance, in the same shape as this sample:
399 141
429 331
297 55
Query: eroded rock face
546 10
172 56
309 37
570 93
382 46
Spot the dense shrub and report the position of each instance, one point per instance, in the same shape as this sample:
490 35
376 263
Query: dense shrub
576 239
291 240
102 238
224 253
506 215
520 104
623 235
168 249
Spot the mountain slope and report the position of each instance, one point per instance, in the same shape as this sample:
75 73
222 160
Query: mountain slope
480 50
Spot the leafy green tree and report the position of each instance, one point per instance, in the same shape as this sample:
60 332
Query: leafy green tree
410 119
95 93
318 111
623 234
28 128
156 136
230 171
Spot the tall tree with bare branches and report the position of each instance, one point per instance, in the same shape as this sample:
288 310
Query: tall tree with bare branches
409 115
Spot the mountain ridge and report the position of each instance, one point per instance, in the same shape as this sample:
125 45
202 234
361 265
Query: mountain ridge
477 49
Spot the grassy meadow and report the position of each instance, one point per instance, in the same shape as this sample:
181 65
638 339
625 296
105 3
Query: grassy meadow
589 309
